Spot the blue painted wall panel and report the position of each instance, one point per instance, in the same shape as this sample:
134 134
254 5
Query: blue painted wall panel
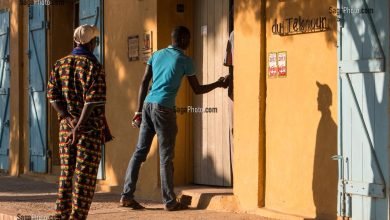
37 89
4 89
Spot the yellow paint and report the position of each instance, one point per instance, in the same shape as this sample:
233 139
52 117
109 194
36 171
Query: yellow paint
301 178
283 136
123 80
16 90
248 156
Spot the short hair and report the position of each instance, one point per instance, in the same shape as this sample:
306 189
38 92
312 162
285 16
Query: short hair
180 32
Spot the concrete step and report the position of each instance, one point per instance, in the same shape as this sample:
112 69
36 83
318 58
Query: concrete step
210 198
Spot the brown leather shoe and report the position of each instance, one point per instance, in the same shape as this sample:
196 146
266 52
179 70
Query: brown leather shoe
176 207
130 203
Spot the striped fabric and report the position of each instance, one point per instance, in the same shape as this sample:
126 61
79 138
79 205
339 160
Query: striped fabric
81 159
76 81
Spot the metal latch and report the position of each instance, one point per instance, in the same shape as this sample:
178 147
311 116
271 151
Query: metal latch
6 124
365 189
337 157
6 58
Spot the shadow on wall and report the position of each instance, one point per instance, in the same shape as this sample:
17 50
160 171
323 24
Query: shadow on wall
325 169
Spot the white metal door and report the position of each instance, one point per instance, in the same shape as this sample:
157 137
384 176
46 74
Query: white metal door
363 49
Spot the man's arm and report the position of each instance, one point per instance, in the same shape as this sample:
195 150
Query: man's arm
61 110
74 123
55 98
143 89
96 96
86 112
201 89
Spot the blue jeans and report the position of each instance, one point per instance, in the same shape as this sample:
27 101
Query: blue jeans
159 120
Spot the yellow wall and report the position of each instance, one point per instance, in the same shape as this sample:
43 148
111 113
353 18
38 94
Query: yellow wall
16 83
121 20
292 174
301 130
248 105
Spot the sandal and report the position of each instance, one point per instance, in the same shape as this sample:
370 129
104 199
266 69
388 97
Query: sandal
176 207
131 204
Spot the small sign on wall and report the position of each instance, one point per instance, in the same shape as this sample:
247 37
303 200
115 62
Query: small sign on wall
147 46
277 64
133 48
272 65
148 42
282 64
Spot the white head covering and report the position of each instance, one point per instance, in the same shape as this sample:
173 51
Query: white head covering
85 33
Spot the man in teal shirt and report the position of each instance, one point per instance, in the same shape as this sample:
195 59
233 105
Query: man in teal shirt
169 66
166 67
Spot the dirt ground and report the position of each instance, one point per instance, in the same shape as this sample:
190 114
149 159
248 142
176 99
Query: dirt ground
28 198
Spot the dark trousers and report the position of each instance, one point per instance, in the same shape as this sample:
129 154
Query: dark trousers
159 120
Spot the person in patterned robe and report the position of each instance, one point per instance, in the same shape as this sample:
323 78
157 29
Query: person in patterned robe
77 91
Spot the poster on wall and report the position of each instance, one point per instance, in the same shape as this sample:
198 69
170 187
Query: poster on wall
133 48
148 42
272 65
147 47
282 64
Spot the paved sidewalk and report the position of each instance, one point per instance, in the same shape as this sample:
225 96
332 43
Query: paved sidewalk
26 197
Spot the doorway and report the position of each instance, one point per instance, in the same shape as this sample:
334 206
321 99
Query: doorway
212 153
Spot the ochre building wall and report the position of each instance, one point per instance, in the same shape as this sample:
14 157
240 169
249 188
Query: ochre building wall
301 115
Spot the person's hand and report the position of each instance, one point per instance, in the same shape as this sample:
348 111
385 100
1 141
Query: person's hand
137 119
227 79
224 82
74 135
220 82
72 122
